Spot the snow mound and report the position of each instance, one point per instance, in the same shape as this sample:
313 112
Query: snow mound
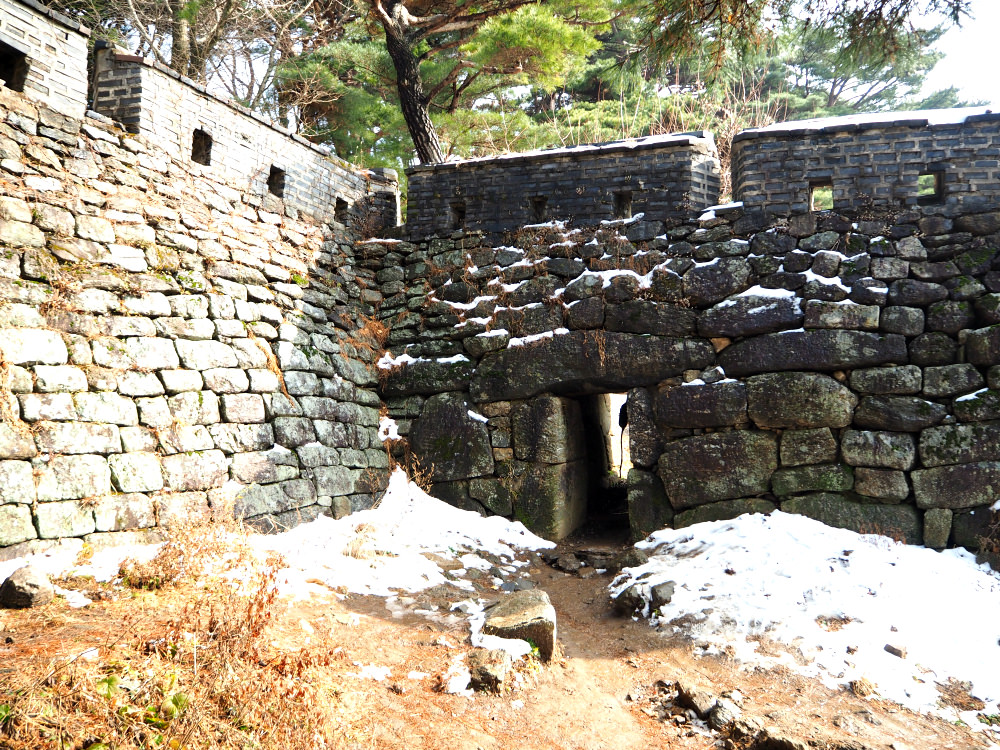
833 597
385 549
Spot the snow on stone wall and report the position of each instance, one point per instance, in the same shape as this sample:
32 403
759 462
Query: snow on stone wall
842 367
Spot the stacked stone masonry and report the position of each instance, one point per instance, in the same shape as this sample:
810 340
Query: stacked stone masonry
44 54
170 346
659 175
842 367
875 160
225 142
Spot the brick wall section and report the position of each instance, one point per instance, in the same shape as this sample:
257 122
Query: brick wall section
56 48
871 163
156 102
663 175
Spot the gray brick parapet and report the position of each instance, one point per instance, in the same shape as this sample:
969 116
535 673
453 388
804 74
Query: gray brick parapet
659 176
55 54
870 160
239 147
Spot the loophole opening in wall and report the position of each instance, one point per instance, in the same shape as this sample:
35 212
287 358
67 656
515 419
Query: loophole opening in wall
276 182
341 211
458 215
605 429
539 206
623 204
13 67
201 147
930 187
821 195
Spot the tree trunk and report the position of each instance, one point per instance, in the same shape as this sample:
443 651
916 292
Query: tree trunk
180 45
412 99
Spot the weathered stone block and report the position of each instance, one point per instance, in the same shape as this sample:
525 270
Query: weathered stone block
16 525
236 438
904 380
848 315
959 444
16 441
951 380
962 486
134 383
59 378
181 438
599 360
646 316
243 407
913 293
802 447
649 509
528 615
205 355
887 450
428 377
645 444
182 508
982 346
336 480
124 512
195 407
980 406
446 436
548 429
799 400
552 500
718 466
136 472
723 510
106 407
814 478
148 353
32 346
933 349
751 315
198 470
708 283
705 405
882 484
898 413
821 350
47 406
902 522
77 437
63 519
292 432
72 477
937 527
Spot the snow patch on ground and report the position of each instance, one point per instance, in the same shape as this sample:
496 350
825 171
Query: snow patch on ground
834 597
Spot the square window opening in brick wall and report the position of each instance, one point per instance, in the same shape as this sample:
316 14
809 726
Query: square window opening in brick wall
341 211
13 67
930 187
821 195
539 206
276 182
458 214
623 204
201 147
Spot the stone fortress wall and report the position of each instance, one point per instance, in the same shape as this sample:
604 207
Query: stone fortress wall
180 335
174 341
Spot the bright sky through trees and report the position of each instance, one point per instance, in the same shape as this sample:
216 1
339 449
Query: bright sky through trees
970 53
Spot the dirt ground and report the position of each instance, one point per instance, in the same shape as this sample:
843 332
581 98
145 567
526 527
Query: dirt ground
606 689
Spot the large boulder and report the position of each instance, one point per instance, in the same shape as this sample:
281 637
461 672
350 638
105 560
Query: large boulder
26 587
718 466
589 361
528 615
751 315
822 350
427 377
799 400
448 438
721 404
959 444
961 486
